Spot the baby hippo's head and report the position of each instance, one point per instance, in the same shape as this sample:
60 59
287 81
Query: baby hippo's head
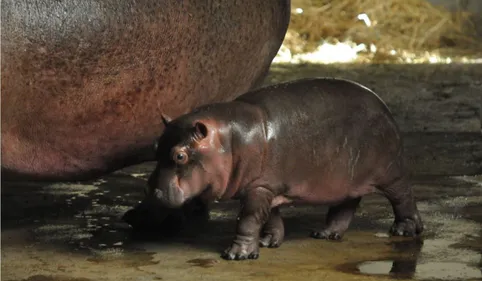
193 159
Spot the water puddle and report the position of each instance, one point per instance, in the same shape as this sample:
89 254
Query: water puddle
54 278
423 271
120 257
203 262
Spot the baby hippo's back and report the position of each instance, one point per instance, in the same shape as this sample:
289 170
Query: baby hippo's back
327 139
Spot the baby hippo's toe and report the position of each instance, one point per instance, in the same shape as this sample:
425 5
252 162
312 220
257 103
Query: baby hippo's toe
407 228
326 234
241 252
273 240
273 231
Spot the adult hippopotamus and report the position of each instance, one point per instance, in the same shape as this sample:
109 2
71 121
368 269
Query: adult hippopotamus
84 83
316 141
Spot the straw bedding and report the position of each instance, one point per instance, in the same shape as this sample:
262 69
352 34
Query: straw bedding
410 25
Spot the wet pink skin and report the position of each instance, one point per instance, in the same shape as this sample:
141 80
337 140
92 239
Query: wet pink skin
209 180
315 141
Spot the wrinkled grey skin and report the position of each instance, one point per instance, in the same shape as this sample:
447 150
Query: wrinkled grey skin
315 141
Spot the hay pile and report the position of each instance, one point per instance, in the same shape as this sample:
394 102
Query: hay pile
408 25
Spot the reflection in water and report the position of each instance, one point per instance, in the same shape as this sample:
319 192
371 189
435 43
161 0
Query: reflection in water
405 268
203 262
39 277
425 271
406 265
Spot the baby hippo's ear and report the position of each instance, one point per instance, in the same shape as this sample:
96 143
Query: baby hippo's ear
200 130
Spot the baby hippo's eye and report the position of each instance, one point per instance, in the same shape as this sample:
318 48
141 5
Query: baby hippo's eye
180 157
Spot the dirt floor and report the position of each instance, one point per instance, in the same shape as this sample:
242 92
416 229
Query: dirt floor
73 231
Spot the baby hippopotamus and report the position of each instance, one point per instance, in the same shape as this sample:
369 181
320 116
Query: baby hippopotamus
316 141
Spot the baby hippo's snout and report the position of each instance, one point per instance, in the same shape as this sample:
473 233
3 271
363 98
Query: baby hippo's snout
166 190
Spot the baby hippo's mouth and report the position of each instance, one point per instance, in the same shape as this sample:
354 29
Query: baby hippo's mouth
170 197
207 194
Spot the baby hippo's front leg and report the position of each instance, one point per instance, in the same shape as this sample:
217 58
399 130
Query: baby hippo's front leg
254 213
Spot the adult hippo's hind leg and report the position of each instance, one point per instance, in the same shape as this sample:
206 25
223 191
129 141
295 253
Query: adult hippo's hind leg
273 231
407 218
338 220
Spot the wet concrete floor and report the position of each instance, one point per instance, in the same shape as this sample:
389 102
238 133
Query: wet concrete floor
73 231
66 231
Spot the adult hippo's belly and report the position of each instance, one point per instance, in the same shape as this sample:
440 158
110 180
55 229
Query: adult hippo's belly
84 83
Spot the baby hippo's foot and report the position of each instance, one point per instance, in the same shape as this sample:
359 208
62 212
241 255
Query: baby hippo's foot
271 240
273 231
407 218
406 227
338 219
327 234
242 251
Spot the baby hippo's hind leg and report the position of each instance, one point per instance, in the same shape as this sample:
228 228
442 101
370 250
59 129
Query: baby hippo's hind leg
273 231
407 218
338 220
